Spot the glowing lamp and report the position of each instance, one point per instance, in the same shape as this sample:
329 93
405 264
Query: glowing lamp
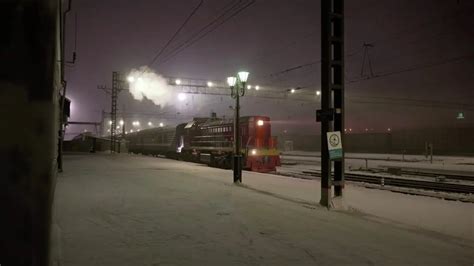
231 81
260 123
182 96
243 76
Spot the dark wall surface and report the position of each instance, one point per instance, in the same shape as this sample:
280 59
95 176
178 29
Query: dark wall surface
29 85
455 141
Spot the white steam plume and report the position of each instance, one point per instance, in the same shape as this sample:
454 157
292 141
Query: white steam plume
145 83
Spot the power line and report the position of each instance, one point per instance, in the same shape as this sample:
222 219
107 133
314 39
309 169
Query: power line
451 60
191 40
225 10
177 32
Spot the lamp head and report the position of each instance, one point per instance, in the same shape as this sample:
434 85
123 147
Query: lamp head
243 76
231 81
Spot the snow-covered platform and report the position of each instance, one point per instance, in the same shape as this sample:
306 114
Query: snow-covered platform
138 210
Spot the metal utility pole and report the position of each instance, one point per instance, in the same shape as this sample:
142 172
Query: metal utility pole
332 95
366 55
113 110
114 91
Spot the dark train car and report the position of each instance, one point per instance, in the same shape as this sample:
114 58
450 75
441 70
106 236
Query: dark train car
210 141
154 141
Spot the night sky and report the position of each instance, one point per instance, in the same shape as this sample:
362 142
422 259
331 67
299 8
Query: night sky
422 59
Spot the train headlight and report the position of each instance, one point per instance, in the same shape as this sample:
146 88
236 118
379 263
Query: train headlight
254 152
260 123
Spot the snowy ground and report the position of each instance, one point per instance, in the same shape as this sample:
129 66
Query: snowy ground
451 164
137 210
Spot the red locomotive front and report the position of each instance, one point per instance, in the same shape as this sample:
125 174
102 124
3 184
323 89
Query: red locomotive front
261 151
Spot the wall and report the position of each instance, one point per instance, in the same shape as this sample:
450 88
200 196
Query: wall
454 141
29 85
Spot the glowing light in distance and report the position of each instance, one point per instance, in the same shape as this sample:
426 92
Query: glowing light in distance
178 81
136 123
231 81
118 127
257 87
121 122
110 122
350 129
243 76
292 90
389 129
182 96
318 93
161 124
254 151
150 124
131 130
130 79
210 84
249 87
260 123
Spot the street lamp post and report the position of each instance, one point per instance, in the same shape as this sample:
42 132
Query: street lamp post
237 88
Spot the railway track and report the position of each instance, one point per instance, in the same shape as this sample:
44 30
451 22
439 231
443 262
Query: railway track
406 183
434 175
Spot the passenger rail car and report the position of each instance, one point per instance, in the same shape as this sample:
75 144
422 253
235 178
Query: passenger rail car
210 141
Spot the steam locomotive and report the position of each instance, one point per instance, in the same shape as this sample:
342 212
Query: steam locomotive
210 141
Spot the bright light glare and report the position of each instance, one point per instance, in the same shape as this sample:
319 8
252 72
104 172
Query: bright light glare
131 79
231 81
110 122
131 130
136 123
182 96
178 81
161 124
249 87
257 87
121 122
210 84
260 123
243 76
254 151
318 93
292 91
150 124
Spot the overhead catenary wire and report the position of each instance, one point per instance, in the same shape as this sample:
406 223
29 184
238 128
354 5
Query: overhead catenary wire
176 33
195 38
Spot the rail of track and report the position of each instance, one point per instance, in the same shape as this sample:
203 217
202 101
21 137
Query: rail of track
404 182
